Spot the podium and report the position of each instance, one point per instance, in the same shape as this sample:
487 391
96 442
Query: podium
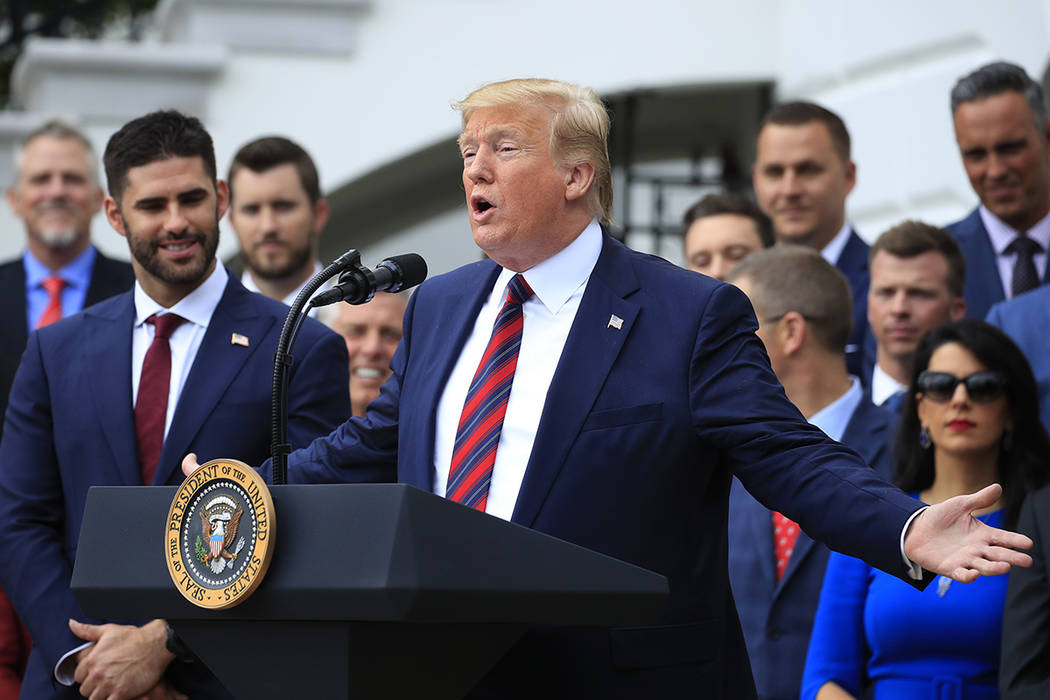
374 591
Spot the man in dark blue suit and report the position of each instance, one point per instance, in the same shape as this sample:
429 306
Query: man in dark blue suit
802 176
73 422
1026 319
606 397
1002 129
805 312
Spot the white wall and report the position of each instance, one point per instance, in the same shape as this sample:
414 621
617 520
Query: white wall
886 67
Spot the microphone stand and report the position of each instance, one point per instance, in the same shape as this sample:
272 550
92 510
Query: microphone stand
282 362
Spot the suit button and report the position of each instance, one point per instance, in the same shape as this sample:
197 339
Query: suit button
773 633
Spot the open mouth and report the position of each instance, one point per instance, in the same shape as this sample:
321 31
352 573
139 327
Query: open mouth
481 205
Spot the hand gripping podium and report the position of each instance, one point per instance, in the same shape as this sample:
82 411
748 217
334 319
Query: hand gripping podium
374 591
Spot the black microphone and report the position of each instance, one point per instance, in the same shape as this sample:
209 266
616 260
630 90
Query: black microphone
359 284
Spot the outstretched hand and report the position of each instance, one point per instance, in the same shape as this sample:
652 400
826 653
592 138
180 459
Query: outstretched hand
189 464
947 540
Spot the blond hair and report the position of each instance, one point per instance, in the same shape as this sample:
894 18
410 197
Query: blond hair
579 127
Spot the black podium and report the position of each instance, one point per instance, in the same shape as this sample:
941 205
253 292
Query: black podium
374 591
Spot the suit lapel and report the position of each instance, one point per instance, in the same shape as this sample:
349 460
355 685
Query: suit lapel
459 311
110 364
217 363
13 315
803 546
590 350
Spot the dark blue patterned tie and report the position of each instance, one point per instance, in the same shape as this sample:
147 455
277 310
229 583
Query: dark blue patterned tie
1025 276
481 422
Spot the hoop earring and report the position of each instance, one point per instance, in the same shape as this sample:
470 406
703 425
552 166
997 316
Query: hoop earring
924 438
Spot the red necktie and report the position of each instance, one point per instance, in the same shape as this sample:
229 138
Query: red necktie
481 422
151 405
785 532
53 285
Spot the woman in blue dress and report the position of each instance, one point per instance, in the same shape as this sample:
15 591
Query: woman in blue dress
971 419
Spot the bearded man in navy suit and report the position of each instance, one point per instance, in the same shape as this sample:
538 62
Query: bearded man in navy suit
74 419
639 390
805 312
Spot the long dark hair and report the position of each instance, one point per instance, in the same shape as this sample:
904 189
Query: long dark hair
1024 458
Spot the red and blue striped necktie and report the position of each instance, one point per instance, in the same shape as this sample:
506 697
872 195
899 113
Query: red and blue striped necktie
481 422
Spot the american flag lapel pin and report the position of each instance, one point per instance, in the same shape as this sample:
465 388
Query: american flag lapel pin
615 322
238 339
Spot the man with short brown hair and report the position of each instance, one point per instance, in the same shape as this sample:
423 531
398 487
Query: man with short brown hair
917 277
802 175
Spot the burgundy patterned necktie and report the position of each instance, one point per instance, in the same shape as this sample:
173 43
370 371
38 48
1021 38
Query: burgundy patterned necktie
481 422
151 405
53 285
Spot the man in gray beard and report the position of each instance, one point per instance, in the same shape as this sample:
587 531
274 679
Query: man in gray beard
56 193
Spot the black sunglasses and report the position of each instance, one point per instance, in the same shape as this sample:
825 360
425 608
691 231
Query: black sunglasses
981 387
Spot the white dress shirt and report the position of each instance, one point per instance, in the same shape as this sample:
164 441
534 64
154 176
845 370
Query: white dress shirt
1002 235
558 283
833 250
883 386
834 417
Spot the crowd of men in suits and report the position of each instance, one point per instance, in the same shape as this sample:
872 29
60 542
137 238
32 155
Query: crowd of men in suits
838 323
915 277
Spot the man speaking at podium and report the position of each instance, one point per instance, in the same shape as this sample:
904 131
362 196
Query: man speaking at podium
607 397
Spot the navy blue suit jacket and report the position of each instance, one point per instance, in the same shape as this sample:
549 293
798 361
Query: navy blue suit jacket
853 264
642 428
1026 319
70 426
983 287
777 617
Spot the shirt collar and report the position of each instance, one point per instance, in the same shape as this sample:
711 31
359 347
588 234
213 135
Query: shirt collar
1002 234
196 307
76 273
249 283
556 279
883 386
833 250
834 417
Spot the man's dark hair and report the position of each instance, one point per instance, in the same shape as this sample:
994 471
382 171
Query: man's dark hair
995 79
910 239
268 152
730 203
796 278
157 136
801 113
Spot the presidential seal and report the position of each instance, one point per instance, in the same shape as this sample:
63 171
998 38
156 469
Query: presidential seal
219 534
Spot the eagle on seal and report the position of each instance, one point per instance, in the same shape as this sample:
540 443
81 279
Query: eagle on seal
219 522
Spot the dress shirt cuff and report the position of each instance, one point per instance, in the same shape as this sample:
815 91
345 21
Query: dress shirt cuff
914 570
67 666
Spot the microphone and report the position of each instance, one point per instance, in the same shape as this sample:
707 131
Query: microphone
359 284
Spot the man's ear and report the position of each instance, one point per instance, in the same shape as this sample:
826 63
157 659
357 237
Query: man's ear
222 197
578 181
113 215
793 330
321 213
